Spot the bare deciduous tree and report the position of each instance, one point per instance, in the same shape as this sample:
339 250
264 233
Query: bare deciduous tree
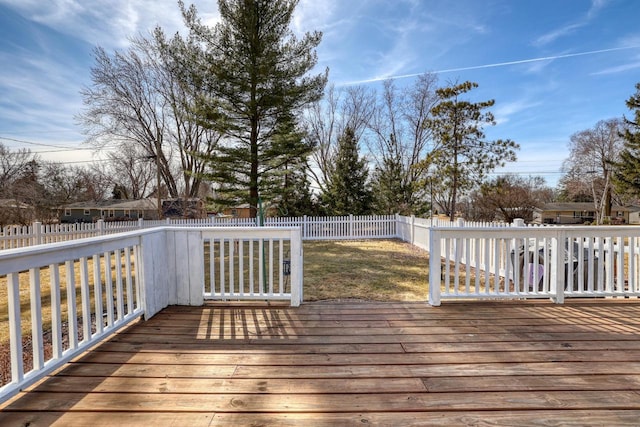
400 141
593 155
13 164
137 99
327 120
509 197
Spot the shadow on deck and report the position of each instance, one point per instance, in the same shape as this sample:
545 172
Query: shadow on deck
354 363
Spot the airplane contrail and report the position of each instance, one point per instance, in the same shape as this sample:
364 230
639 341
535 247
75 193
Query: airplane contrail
497 64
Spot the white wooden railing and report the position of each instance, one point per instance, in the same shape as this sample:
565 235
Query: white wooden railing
80 292
253 263
534 262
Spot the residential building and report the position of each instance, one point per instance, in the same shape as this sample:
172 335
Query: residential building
109 210
576 213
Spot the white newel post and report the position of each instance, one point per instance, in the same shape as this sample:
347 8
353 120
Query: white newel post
518 222
557 278
296 268
434 267
140 223
159 279
189 267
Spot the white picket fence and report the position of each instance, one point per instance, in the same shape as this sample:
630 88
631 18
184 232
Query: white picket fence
313 228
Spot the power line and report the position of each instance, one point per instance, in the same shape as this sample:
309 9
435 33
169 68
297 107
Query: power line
41 144
61 148
84 161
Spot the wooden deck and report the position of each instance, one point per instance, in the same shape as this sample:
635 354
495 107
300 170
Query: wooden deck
327 364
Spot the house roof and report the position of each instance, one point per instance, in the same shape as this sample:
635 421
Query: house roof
115 204
584 207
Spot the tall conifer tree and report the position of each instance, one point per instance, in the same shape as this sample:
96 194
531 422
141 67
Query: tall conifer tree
627 171
258 75
463 157
348 189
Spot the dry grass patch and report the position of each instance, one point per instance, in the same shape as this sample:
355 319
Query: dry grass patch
377 270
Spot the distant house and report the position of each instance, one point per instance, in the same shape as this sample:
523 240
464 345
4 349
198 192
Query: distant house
240 211
576 213
191 208
109 210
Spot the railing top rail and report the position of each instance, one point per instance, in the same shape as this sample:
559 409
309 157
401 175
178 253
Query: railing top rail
68 244
78 247
585 230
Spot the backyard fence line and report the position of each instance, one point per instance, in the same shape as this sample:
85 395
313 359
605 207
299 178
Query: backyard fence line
313 228
410 229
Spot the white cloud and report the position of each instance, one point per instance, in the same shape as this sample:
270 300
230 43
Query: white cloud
557 33
618 69
504 111
311 15
109 23
570 28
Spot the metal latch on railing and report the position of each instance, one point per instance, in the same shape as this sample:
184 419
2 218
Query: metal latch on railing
286 267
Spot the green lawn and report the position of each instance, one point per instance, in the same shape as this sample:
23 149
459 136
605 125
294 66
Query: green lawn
378 270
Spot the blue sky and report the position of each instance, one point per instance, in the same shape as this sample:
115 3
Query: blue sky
554 67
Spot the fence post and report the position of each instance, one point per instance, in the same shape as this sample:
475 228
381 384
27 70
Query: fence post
518 222
413 229
434 267
168 220
397 228
140 223
350 225
100 226
305 234
37 233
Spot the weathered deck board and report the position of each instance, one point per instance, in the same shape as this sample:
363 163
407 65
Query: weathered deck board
326 364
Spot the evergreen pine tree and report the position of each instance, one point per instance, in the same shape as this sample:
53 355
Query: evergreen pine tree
463 156
285 181
627 171
257 72
388 189
348 191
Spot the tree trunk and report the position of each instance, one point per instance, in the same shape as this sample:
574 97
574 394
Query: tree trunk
253 175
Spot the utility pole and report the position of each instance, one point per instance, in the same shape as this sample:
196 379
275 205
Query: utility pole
159 198
158 177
